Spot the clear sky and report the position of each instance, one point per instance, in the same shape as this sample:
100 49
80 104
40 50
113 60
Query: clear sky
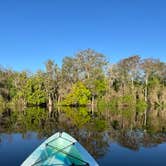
32 31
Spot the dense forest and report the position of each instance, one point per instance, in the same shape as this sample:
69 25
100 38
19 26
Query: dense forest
87 79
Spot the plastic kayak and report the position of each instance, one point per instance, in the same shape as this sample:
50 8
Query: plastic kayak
60 149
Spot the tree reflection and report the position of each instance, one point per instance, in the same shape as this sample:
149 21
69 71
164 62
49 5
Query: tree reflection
94 131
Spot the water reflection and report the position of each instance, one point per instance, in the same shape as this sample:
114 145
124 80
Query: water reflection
129 128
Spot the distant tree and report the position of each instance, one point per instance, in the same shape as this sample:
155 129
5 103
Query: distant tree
34 90
18 88
92 71
126 71
68 75
90 62
149 67
79 95
132 66
51 85
6 83
70 70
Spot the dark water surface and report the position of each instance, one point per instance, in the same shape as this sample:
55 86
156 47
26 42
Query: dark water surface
122 137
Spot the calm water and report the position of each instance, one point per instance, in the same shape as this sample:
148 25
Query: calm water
123 137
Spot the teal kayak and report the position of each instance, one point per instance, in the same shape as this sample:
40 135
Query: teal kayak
60 149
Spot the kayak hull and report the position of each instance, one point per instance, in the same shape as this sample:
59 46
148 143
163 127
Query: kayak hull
60 149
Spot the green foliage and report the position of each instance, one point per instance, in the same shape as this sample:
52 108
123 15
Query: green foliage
127 113
79 117
126 101
79 95
103 104
154 82
99 87
34 91
2 104
31 93
100 125
141 105
114 102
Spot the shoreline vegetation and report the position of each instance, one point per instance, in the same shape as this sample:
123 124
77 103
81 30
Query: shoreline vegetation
87 79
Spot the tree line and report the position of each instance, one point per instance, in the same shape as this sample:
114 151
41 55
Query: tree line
87 78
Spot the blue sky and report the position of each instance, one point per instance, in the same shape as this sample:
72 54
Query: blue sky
32 31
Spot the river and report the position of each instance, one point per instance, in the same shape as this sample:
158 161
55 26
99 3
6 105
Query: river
113 137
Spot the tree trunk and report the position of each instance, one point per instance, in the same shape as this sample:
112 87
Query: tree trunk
92 104
123 88
87 72
50 109
146 90
145 117
50 102
59 99
132 83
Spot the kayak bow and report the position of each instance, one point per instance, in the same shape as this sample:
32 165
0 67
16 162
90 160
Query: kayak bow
60 149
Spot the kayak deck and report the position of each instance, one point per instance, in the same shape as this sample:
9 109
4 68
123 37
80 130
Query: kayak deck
60 149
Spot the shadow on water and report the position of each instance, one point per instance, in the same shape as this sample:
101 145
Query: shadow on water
128 128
